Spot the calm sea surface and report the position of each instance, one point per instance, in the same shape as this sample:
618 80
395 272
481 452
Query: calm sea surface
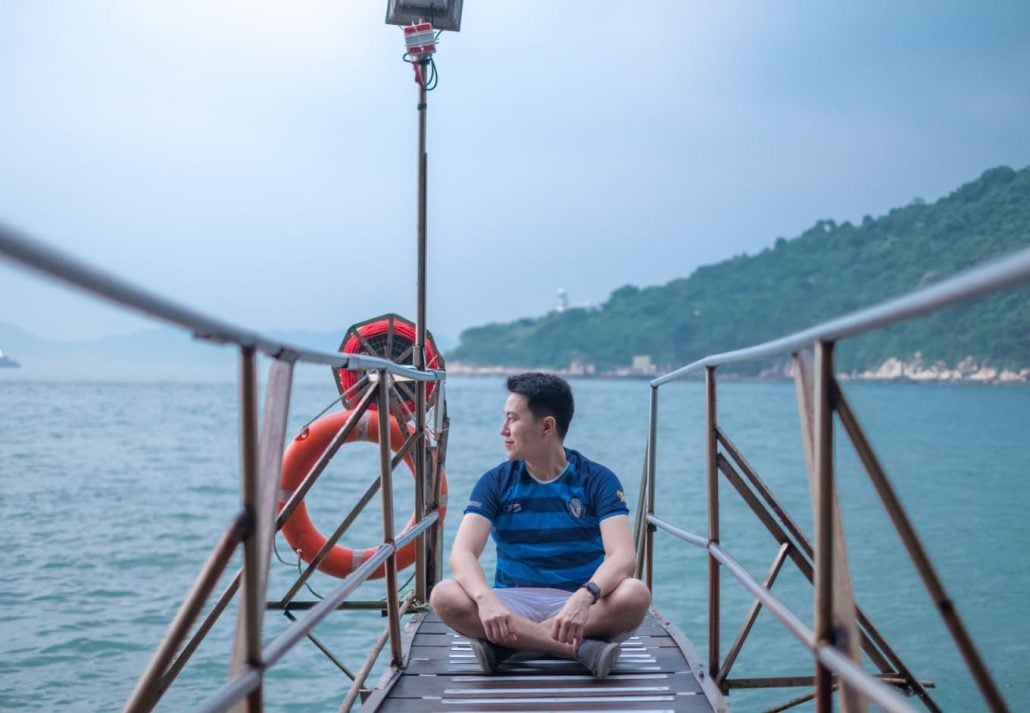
112 495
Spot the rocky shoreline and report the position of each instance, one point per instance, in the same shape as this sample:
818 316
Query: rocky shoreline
969 370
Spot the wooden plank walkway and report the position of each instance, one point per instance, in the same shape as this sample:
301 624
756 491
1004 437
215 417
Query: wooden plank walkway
657 670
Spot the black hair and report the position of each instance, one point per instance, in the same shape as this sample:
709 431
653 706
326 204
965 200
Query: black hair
546 395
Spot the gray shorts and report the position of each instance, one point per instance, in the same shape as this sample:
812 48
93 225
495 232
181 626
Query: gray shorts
534 603
540 604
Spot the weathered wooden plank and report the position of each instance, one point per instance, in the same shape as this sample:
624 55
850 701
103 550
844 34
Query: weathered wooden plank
433 625
442 660
653 672
414 686
424 639
685 703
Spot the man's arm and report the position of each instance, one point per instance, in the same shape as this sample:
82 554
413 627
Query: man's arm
469 542
473 532
620 562
620 557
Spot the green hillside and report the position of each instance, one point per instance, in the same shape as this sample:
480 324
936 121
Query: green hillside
826 271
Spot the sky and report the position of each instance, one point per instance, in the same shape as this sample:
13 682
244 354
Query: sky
256 160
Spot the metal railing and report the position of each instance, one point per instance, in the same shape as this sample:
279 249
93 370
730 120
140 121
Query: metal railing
840 629
254 527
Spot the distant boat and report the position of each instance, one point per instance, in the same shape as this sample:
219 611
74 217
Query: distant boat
7 361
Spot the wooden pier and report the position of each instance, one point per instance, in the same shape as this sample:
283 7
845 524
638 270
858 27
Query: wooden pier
657 670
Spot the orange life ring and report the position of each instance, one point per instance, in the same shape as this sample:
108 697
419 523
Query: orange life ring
298 460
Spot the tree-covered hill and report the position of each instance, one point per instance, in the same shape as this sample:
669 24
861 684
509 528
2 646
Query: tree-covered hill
826 271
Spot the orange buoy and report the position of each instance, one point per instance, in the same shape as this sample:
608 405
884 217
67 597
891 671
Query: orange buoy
301 455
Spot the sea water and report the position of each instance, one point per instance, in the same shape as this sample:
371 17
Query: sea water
112 495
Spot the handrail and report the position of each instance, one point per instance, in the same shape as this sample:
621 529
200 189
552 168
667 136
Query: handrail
78 273
260 466
245 682
840 628
840 665
975 282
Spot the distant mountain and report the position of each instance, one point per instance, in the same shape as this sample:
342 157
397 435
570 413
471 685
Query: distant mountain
828 270
162 353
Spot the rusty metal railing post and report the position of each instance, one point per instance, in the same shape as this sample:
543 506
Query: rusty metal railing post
823 456
712 448
421 473
151 685
652 447
362 675
386 488
752 615
262 466
247 651
419 353
920 557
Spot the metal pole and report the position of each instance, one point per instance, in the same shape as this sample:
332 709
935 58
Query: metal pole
366 668
420 318
652 445
357 413
149 689
640 519
419 354
270 464
421 489
752 615
322 647
711 434
437 462
386 491
330 543
198 636
920 558
823 456
247 649
763 504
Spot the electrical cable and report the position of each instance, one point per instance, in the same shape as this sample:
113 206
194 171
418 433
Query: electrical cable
433 76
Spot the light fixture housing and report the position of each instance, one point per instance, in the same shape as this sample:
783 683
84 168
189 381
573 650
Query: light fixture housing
443 14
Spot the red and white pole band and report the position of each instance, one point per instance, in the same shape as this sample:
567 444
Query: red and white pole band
420 40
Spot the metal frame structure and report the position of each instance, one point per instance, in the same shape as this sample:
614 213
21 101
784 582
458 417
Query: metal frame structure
262 439
840 629
257 523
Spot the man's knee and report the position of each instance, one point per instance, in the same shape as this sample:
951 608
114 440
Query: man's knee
632 596
449 599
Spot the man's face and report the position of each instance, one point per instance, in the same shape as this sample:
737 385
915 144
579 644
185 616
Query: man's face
523 435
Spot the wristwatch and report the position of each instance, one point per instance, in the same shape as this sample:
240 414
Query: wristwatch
593 589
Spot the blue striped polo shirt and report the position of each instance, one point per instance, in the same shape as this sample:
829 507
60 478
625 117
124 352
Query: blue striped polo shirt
548 534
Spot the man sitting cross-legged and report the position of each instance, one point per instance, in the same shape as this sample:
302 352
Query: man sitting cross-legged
564 580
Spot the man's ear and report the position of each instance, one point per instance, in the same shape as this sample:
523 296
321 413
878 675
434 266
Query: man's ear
550 423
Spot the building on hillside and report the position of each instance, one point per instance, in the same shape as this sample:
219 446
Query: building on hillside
642 364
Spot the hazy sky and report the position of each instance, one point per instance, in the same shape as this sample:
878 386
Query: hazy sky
257 159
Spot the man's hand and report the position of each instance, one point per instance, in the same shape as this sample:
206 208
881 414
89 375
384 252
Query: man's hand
496 619
572 619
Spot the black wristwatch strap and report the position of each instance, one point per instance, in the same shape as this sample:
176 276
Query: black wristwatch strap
594 590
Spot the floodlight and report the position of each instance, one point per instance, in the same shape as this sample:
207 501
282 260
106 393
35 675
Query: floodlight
443 14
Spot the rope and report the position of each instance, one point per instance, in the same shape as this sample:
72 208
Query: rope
322 412
275 549
307 582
